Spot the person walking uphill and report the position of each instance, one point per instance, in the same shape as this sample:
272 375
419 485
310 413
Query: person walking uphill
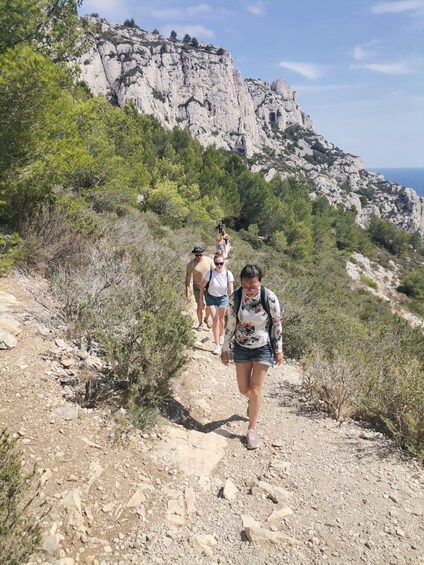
197 268
216 285
254 319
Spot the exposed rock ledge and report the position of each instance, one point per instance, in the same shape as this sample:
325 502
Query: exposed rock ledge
198 88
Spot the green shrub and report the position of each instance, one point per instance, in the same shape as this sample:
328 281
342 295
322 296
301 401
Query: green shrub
19 533
9 251
413 283
395 397
369 282
124 296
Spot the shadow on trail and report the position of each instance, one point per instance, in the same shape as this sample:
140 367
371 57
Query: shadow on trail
176 413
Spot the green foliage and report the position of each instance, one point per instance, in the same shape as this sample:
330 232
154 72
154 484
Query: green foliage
50 26
19 533
278 241
123 294
9 251
38 83
130 23
396 400
413 283
387 235
164 199
369 282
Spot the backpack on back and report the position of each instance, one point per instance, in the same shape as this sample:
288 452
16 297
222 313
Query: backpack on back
265 306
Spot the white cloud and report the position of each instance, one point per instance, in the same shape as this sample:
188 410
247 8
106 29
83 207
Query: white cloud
400 68
111 9
179 13
198 31
398 7
308 70
364 51
257 9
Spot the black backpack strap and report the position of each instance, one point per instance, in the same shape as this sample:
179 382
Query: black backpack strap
209 281
237 301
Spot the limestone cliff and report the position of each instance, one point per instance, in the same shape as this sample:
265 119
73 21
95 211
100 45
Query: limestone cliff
197 87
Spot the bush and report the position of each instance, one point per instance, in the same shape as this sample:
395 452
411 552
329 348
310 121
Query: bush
9 251
124 297
369 282
334 384
396 399
130 23
19 534
413 283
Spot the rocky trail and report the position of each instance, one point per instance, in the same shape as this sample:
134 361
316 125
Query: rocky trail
188 491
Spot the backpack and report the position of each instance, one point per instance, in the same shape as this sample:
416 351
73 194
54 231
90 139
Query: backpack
265 306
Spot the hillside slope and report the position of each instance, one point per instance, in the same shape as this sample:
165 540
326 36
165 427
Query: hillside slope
182 492
197 87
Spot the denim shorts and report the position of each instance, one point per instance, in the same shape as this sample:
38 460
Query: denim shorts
218 301
263 355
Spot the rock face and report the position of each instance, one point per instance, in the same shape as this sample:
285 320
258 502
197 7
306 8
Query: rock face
197 87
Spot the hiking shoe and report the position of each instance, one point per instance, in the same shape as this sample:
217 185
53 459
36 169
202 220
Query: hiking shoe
252 440
221 340
209 323
217 350
199 327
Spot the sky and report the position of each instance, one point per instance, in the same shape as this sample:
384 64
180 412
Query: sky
357 65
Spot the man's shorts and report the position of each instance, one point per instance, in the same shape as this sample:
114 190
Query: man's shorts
196 292
263 355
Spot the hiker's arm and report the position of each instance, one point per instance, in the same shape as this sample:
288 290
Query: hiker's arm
277 329
202 290
230 288
187 283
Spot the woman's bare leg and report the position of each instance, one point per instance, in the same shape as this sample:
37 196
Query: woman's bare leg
243 371
214 312
257 378
221 314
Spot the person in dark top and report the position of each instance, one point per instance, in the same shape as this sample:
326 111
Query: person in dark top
220 228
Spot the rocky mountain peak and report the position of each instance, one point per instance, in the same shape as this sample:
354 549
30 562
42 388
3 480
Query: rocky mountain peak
194 85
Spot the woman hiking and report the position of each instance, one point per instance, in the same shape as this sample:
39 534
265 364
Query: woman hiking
254 319
217 284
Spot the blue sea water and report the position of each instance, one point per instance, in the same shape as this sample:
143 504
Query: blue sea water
410 177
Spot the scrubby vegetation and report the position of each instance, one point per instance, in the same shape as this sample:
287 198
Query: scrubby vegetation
109 203
19 533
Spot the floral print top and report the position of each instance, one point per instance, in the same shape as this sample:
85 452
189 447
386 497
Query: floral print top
251 329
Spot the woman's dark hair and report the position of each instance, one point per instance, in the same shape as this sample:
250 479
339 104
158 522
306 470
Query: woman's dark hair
250 272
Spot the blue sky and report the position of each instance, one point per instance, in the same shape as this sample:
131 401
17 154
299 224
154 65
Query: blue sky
356 65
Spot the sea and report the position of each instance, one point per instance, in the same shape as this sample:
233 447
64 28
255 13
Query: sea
410 177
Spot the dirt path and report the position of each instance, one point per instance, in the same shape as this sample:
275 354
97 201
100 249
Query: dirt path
189 492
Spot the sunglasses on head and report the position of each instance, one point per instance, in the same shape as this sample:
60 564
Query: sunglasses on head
219 264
